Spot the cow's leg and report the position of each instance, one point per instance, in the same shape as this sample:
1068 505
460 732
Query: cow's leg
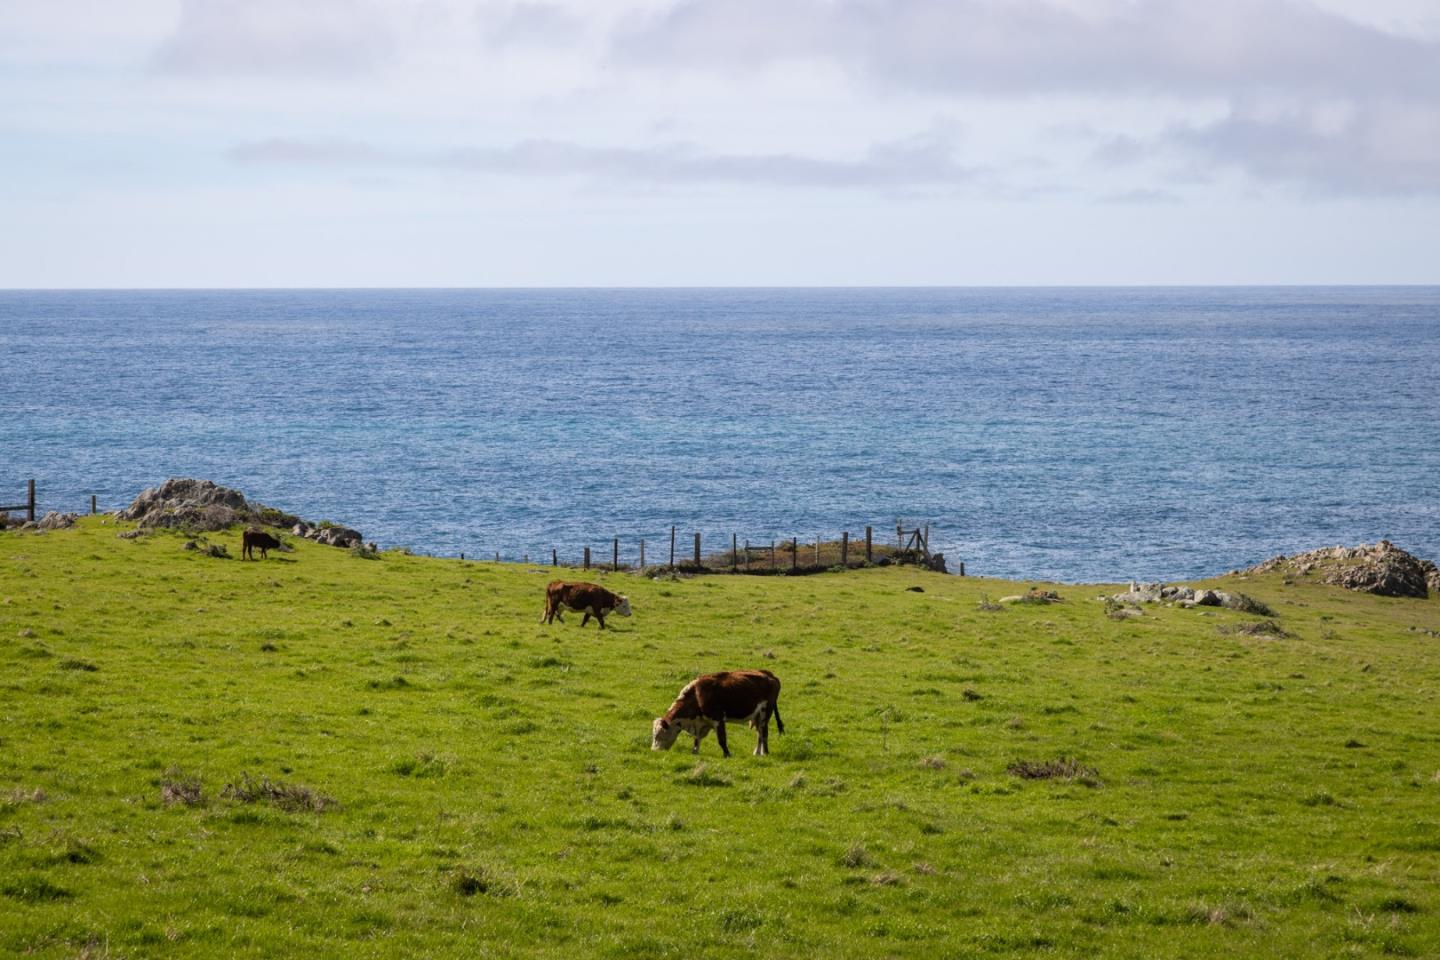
586 618
599 615
264 553
762 737
700 735
720 735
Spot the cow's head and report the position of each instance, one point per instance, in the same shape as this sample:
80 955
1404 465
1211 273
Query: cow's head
663 734
623 607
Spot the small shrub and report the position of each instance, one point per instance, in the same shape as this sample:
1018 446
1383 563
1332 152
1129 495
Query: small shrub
703 776
472 881
363 552
1398 905
34 888
1321 798
933 762
290 797
971 695
423 765
1246 604
856 856
176 787
84 666
1262 628
1063 768
987 605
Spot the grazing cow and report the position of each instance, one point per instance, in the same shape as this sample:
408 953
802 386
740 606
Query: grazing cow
590 598
707 702
251 539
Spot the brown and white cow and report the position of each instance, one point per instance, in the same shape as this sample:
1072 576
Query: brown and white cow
590 598
707 702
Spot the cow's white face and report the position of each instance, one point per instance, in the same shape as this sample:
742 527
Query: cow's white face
624 607
663 734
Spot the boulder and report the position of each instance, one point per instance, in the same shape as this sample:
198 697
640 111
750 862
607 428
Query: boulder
1207 598
188 504
57 521
1380 568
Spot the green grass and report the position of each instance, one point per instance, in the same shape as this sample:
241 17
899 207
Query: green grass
330 756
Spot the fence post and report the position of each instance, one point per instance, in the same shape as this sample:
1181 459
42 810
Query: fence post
845 548
962 568
925 547
772 555
899 538
587 558
672 548
817 549
868 551
642 554
554 557
794 553
30 510
734 553
697 548
93 511
615 556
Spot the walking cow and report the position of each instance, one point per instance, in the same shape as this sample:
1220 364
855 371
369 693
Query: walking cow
707 702
590 598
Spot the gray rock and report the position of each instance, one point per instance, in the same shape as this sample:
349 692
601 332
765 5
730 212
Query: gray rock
57 521
1207 598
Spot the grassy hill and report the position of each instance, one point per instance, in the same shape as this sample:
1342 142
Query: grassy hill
415 766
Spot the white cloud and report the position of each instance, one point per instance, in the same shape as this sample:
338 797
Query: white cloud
923 160
277 38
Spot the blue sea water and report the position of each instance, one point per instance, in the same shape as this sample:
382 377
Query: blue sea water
1074 434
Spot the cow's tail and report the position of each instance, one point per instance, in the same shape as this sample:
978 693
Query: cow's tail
775 709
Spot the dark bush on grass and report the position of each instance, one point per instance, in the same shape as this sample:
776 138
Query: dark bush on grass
176 787
84 666
1062 768
1247 604
1260 628
290 797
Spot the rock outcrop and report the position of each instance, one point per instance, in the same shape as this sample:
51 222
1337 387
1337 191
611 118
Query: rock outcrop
329 534
1381 568
56 521
203 505
188 504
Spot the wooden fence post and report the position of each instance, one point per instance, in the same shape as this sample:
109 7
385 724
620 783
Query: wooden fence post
587 558
615 556
962 568
817 549
772 554
30 511
925 547
734 553
642 554
794 553
554 557
697 548
672 548
845 548
899 538
747 554
869 552
93 511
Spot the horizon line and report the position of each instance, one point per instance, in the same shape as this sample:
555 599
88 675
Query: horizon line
803 286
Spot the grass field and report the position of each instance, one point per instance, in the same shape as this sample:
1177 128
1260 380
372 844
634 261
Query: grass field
416 767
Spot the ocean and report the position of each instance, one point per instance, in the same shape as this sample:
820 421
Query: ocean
1081 434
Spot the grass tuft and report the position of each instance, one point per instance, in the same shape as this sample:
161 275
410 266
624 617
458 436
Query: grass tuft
290 797
1063 768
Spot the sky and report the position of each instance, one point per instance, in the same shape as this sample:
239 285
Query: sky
342 143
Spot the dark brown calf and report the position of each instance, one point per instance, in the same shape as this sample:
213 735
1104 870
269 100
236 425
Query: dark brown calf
251 539
593 599
708 701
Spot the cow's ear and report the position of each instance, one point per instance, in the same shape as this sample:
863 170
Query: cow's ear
664 724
